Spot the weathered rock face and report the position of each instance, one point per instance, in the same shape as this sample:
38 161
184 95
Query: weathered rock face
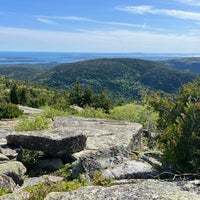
10 152
7 182
16 195
42 179
102 134
142 190
108 142
14 170
130 169
53 143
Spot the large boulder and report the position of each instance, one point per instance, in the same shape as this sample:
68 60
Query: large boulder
143 190
7 182
56 143
102 134
109 142
13 169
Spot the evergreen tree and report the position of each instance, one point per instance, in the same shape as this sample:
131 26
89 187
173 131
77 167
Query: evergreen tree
179 120
23 96
88 96
103 101
14 98
76 95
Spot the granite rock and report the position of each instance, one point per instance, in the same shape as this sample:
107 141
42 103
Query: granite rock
52 142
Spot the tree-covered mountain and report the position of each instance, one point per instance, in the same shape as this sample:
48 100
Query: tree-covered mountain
124 78
24 71
187 64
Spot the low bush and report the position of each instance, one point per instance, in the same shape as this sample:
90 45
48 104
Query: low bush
89 112
135 113
99 180
39 192
36 123
4 191
9 111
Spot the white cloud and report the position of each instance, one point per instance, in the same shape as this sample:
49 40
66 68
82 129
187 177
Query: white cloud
190 2
143 26
46 21
95 41
73 18
167 12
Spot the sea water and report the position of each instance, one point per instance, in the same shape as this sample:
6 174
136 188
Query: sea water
69 57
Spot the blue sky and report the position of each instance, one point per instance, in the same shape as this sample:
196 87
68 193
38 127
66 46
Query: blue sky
155 26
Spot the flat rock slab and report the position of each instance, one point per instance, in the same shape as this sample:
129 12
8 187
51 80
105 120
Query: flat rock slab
29 110
130 169
141 190
102 134
108 142
54 143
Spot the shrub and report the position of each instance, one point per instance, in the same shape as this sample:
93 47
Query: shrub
179 119
9 111
39 192
4 191
30 157
99 180
35 123
89 112
135 113
64 172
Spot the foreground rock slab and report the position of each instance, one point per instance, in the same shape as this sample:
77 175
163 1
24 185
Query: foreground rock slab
102 134
141 190
53 143
108 142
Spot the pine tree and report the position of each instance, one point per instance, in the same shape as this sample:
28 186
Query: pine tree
179 119
14 98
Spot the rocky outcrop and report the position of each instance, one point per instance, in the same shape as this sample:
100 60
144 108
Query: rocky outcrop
110 148
109 142
102 134
7 182
130 169
54 143
137 189
36 180
29 110
16 195
11 175
11 152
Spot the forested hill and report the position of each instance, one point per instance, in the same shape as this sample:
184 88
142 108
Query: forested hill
191 64
124 78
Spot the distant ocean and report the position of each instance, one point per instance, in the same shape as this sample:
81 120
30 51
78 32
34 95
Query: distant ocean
67 57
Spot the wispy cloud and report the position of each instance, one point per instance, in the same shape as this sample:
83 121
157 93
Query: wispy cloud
96 41
186 15
47 19
71 18
190 2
